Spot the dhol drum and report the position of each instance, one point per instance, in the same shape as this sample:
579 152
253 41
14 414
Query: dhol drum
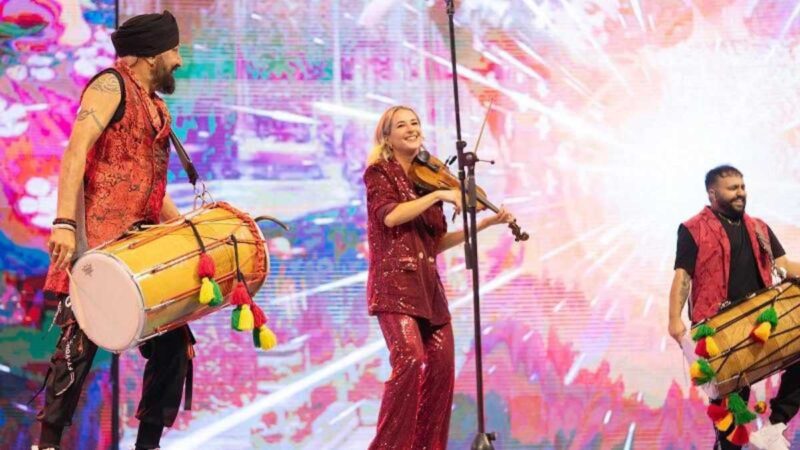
146 282
749 340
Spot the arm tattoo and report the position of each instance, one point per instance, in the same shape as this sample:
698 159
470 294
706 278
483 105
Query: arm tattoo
106 84
686 284
84 113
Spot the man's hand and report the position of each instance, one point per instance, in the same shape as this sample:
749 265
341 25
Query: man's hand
677 329
62 247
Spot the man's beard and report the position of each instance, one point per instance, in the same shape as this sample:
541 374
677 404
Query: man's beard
165 82
730 211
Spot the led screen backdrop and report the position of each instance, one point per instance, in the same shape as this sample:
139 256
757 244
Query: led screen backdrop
606 116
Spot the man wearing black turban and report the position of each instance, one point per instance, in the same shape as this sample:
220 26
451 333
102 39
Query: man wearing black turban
114 175
153 39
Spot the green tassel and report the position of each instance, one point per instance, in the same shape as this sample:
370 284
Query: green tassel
769 315
703 331
235 317
256 338
738 407
217 300
242 318
706 372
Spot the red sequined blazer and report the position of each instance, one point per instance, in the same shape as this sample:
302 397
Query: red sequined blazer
403 277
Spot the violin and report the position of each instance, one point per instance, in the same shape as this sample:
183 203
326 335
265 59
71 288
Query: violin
429 174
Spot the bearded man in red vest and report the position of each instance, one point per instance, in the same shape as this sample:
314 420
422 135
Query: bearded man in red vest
722 254
113 176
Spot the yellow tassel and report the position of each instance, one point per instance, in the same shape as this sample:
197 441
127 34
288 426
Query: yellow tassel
725 423
206 291
762 332
694 371
711 347
245 319
267 338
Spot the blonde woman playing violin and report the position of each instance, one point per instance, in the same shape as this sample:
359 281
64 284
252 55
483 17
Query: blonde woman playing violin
406 231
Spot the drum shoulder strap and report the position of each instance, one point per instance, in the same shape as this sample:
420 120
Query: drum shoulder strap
186 161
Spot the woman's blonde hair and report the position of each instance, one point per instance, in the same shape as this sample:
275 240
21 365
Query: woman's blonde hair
381 149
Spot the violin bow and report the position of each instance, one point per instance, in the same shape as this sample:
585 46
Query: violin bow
483 125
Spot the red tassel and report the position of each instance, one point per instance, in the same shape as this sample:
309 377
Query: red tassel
701 350
740 436
259 319
240 295
206 268
716 412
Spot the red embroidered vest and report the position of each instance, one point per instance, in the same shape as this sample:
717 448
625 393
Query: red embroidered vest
712 266
126 171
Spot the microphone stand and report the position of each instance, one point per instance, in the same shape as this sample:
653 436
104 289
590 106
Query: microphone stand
466 176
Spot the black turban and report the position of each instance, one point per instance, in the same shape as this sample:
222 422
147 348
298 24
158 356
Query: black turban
146 35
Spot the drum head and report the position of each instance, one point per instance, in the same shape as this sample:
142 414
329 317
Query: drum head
107 301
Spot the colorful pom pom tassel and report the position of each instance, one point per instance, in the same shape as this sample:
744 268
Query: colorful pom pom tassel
717 412
206 291
703 331
235 317
242 318
706 346
761 332
766 323
725 423
761 407
206 268
701 372
738 407
700 349
206 271
218 298
263 337
711 347
739 436
240 296
769 315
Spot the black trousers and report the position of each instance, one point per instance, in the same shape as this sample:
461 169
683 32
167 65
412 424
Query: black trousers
168 367
782 408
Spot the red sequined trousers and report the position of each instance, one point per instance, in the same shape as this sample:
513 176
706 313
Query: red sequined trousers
418 397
